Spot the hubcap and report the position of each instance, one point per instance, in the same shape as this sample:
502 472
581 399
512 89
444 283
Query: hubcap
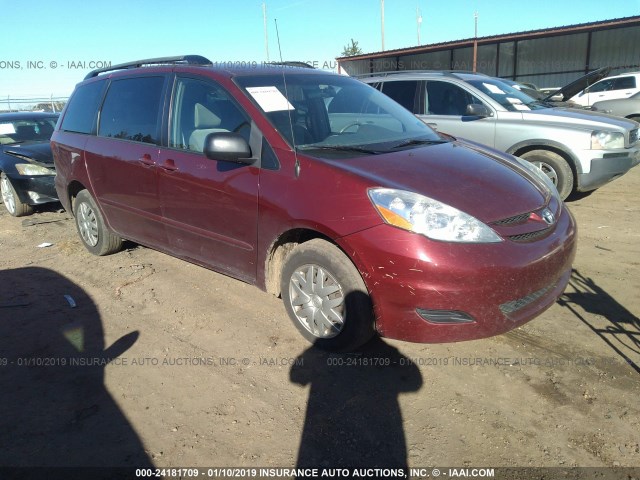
7 195
548 171
317 301
88 224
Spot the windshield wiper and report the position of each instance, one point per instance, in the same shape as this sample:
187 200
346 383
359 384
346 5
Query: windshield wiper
342 148
416 141
540 103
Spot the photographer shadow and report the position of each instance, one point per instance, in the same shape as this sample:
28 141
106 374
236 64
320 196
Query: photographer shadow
56 411
353 417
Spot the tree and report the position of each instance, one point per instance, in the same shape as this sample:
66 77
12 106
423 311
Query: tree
351 50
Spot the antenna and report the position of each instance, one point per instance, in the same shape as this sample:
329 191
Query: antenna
286 94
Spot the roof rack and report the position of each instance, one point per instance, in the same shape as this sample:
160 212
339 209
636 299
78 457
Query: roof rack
180 60
291 63
444 73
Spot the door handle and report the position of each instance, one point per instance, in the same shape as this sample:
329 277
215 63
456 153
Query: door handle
433 125
169 165
146 160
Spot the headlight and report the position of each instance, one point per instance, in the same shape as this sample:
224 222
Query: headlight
540 175
601 140
31 170
428 217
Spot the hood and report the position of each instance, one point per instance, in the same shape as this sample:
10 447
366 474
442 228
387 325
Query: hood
580 84
484 183
39 153
577 118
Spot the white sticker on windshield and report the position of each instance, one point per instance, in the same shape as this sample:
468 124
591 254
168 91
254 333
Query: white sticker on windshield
7 129
493 88
517 103
270 99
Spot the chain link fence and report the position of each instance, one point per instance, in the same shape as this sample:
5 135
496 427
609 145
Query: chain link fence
32 104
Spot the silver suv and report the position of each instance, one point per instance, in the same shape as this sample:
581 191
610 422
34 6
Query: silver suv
579 150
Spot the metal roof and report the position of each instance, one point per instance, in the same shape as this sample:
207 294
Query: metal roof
530 34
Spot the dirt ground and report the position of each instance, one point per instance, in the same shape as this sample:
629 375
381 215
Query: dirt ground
163 363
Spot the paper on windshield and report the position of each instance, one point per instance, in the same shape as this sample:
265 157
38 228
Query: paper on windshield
7 129
270 99
517 103
493 88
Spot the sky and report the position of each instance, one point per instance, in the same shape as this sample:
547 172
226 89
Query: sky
48 47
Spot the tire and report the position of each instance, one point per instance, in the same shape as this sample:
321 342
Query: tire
635 118
340 318
11 200
555 167
95 235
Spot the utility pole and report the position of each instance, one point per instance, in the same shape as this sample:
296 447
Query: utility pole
418 22
475 43
382 21
266 38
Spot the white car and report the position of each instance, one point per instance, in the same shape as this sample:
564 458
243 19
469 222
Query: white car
610 88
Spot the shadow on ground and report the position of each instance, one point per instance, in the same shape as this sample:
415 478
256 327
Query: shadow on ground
56 410
353 417
614 324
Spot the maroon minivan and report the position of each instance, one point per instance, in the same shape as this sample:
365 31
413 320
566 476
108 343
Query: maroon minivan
319 189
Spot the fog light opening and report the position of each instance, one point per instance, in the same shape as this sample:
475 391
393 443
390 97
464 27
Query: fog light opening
444 316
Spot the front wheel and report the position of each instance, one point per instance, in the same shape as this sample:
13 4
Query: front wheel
11 200
95 235
326 297
553 166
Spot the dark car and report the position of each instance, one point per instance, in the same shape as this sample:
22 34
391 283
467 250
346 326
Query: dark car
26 162
319 189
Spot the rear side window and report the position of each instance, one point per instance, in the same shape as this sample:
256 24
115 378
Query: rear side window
403 92
624 83
131 110
83 106
444 98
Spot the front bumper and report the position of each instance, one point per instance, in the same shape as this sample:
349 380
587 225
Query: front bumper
35 190
606 168
497 286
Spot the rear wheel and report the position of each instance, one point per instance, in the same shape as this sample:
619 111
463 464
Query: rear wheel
555 167
93 232
326 297
11 200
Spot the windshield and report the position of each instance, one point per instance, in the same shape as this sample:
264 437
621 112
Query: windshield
332 112
509 97
26 130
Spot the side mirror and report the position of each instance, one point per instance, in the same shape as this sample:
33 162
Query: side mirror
478 110
227 147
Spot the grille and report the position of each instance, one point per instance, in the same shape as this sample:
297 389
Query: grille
527 237
515 305
515 219
633 136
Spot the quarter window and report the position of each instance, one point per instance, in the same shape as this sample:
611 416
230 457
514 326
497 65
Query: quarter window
81 113
131 110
